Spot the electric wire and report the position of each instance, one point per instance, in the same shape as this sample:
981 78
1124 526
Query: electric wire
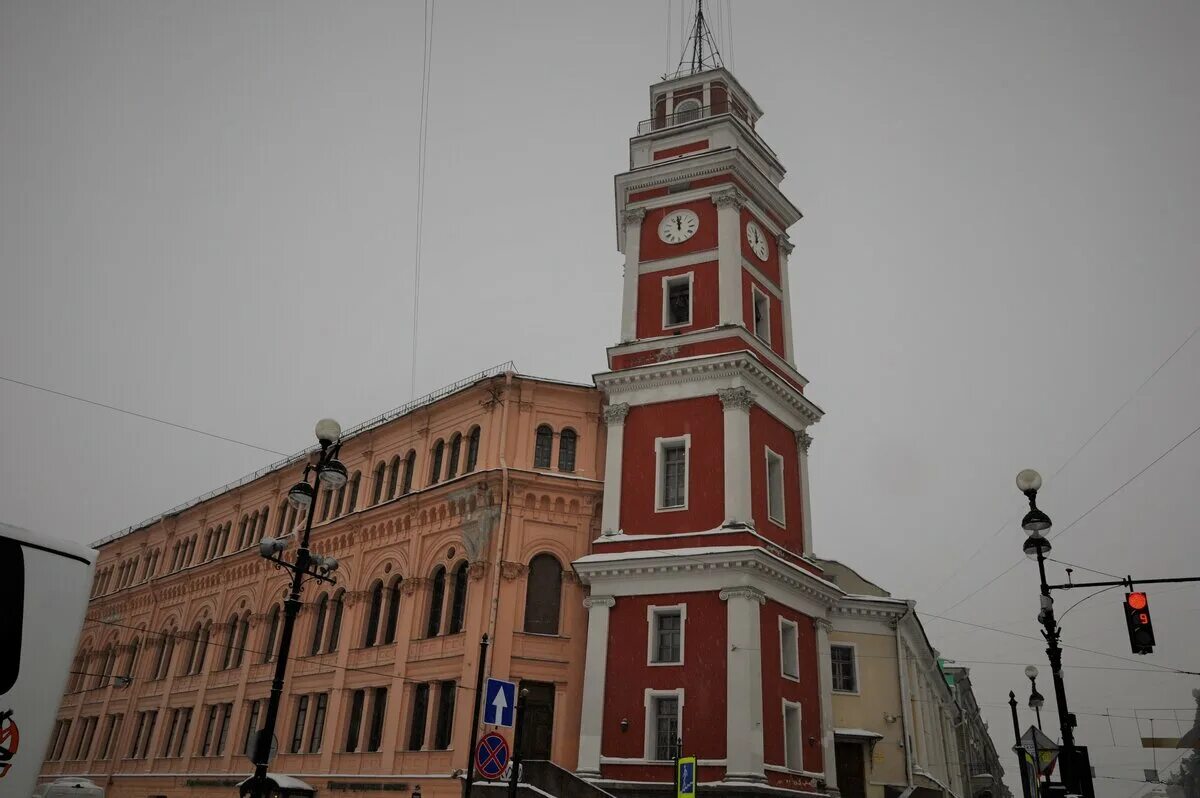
422 156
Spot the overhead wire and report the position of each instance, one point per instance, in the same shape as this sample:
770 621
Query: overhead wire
422 158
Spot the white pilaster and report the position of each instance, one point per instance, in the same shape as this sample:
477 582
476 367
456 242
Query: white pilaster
591 720
785 248
825 685
629 297
744 700
729 254
610 514
737 403
803 441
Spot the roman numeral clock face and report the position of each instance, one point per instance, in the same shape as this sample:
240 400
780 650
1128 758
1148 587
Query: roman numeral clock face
757 240
678 226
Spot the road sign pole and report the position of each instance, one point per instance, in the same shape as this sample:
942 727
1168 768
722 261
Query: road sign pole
516 748
483 647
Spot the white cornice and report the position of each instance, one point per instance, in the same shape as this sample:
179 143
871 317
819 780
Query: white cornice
710 334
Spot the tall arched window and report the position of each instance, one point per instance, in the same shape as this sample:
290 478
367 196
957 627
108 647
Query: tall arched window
543 595
191 551
377 490
110 662
455 447
326 503
201 650
166 650
279 527
393 612
319 626
335 620
437 597
80 668
373 612
272 633
243 633
393 477
472 450
566 450
339 501
458 602
131 660
543 444
354 484
224 538
435 469
242 528
410 465
262 526
194 637
230 642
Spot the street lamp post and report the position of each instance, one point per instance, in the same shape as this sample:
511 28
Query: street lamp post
329 473
1037 547
1036 699
1021 764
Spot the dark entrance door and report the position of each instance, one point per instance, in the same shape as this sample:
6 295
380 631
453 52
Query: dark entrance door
851 770
537 727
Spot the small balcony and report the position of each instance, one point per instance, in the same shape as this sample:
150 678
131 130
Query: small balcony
382 655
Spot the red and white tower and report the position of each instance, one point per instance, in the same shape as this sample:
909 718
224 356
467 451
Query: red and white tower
707 618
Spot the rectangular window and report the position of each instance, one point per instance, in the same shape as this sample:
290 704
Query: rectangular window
672 470
318 724
148 733
252 726
792 742
185 725
226 716
137 735
666 727
845 677
170 735
420 708
677 300
762 315
378 708
210 728
357 701
83 745
112 724
298 726
666 635
789 649
60 739
445 716
775 503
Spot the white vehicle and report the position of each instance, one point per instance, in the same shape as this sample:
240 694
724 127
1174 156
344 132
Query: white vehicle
69 788
44 586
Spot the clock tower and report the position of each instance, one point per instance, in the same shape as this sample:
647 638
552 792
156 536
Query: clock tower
707 615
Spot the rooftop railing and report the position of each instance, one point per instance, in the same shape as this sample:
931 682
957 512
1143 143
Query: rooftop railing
697 113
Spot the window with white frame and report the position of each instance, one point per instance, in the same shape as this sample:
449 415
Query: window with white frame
663 715
762 314
845 672
775 502
677 300
671 472
789 649
666 634
793 749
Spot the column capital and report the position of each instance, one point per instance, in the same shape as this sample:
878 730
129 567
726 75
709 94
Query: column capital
749 593
803 440
729 198
615 414
823 624
784 242
633 215
736 398
599 601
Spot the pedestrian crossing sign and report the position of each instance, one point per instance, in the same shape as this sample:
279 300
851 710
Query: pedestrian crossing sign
685 777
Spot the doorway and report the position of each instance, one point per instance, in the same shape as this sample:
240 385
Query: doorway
851 769
537 727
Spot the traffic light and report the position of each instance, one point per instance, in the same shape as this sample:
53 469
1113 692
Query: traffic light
1137 618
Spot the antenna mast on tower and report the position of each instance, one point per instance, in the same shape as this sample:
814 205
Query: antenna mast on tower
694 57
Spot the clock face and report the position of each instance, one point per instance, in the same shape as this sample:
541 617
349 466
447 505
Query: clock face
757 240
678 226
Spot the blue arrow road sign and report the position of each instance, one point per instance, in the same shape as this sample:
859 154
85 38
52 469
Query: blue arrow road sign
499 703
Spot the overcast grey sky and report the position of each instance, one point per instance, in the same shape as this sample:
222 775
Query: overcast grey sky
207 214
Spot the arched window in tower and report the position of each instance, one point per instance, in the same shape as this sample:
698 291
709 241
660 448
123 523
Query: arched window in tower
566 450
455 447
435 469
687 111
375 609
272 633
543 444
243 632
352 501
458 602
410 465
393 477
472 450
437 597
393 612
335 620
319 626
543 595
377 490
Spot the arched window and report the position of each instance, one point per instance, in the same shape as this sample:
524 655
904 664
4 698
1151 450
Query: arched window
225 538
377 490
410 465
262 526
110 661
243 526
272 633
243 633
319 626
81 667
393 477
290 523
166 651
186 667
339 501
131 660
354 483
335 620
373 612
201 653
191 551
279 527
566 450
543 595
435 469
393 612
437 597
455 446
326 503
687 111
458 602
542 446
230 642
472 450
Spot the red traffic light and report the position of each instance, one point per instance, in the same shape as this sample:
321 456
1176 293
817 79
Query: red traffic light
1137 601
1137 619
